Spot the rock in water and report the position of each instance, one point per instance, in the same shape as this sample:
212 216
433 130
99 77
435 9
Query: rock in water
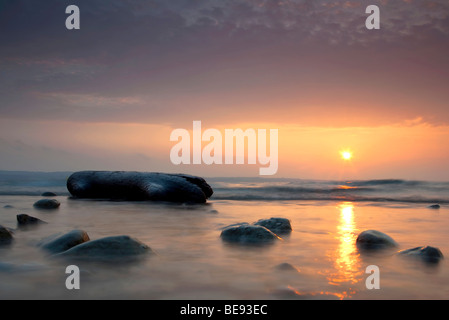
373 239
47 204
48 194
126 185
24 220
115 248
276 225
434 206
64 242
247 233
5 235
426 254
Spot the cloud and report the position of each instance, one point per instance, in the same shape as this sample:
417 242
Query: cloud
169 61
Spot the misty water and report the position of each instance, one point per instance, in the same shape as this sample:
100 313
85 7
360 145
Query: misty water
192 262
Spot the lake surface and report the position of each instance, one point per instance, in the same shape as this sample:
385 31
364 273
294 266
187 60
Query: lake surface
192 262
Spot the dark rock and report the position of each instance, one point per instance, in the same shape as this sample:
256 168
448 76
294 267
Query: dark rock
64 242
373 239
48 194
47 204
125 185
426 254
5 235
115 248
276 225
8 206
286 267
26 220
247 233
434 206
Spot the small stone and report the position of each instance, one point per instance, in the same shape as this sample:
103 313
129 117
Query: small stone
8 206
47 204
114 248
276 225
26 220
246 233
5 235
48 194
434 206
65 241
426 254
285 266
373 239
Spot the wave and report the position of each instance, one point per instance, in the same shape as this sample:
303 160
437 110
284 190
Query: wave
261 189
249 197
384 190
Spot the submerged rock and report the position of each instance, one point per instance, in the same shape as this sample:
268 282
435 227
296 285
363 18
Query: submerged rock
64 242
247 233
126 185
426 254
24 220
8 206
48 194
285 266
117 248
373 239
47 204
276 225
5 235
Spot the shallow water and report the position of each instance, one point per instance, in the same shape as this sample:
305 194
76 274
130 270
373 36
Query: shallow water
191 261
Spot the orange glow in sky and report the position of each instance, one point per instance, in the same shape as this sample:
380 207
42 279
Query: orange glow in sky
408 150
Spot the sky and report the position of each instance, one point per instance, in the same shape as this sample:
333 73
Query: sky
107 96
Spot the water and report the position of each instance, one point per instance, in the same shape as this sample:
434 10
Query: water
193 263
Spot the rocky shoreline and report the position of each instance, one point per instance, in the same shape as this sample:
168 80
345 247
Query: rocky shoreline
77 244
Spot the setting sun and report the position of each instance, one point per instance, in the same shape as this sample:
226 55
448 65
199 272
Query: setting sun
346 155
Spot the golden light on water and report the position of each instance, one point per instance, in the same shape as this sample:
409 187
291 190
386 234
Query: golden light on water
346 258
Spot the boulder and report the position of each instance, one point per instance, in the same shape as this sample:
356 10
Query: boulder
47 204
64 242
426 254
373 239
24 220
276 225
114 248
247 233
287 267
48 194
5 235
127 185
434 206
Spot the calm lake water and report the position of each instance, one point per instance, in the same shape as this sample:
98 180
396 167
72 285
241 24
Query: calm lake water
191 261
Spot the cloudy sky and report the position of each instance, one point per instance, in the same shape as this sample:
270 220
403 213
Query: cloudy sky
108 95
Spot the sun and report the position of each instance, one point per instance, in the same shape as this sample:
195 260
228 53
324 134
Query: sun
346 155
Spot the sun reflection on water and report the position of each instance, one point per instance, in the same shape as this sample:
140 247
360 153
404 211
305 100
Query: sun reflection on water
346 257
